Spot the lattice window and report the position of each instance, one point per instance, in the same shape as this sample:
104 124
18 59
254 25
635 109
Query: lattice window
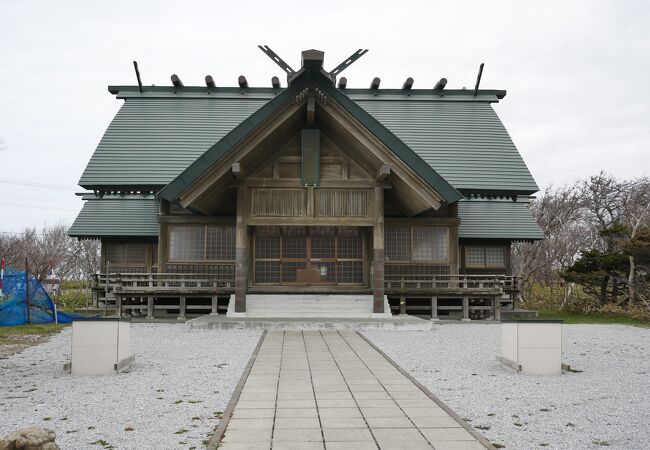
326 271
290 231
202 243
187 243
350 247
323 247
474 256
483 256
267 247
136 252
495 256
220 242
116 252
126 253
308 255
294 247
430 244
397 243
267 271
293 271
349 272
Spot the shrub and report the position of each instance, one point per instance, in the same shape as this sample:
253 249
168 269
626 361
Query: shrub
73 298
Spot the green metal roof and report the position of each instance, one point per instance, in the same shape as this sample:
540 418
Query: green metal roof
157 134
152 140
123 216
197 168
497 219
465 142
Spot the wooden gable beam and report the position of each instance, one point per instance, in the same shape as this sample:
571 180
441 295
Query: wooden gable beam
287 118
237 171
311 110
382 172
415 194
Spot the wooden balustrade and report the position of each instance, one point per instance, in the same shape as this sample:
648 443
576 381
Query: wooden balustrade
449 283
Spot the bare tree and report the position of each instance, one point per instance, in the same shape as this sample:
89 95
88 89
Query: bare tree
50 249
636 216
559 213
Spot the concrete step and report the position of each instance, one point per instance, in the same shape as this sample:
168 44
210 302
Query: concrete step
306 305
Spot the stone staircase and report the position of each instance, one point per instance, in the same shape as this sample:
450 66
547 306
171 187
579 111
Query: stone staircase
308 306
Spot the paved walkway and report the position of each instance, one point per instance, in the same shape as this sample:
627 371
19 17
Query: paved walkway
332 390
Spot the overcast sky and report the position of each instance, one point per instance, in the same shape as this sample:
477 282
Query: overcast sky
577 74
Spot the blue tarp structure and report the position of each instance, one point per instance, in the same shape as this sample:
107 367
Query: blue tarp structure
13 307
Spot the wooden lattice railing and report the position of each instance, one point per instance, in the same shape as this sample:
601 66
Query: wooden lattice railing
462 283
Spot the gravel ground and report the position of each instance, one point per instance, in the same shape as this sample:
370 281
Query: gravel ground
606 405
170 398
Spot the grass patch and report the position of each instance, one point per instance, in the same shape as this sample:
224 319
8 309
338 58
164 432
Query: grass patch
45 329
593 317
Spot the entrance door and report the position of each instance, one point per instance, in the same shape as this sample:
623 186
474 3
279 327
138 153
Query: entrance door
308 256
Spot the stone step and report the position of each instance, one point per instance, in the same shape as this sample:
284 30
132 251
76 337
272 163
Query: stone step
306 305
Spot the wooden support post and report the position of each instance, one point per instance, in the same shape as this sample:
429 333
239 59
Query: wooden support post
163 237
434 307
241 252
402 306
215 301
150 314
181 308
466 308
378 253
497 308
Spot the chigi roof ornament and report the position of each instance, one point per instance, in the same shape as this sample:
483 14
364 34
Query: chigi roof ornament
312 59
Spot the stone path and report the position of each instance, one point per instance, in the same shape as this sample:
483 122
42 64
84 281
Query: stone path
332 390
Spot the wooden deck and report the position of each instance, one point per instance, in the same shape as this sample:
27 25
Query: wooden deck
475 296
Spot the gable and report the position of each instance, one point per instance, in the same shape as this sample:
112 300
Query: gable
201 186
333 163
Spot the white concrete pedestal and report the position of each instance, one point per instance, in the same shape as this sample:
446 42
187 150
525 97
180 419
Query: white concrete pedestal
100 346
532 347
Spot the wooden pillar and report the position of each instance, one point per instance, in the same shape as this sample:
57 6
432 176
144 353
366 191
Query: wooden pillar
163 238
181 308
378 253
466 308
150 314
454 251
434 307
214 310
241 252
402 306
497 308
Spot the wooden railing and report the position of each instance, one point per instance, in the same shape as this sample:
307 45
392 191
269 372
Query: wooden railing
451 284
162 282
